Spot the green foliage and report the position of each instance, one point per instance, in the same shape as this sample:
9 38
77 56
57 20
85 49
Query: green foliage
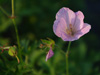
34 61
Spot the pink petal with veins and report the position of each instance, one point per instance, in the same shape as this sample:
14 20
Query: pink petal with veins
59 26
67 14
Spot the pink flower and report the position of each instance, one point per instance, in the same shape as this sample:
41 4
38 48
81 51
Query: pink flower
50 54
70 26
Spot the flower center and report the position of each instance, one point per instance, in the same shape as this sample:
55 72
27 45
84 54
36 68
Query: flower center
70 30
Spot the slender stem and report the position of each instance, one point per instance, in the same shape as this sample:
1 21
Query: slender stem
17 36
18 59
13 8
67 69
68 47
16 33
4 11
16 30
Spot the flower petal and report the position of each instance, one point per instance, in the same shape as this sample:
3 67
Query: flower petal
66 37
79 21
50 54
86 28
67 14
59 26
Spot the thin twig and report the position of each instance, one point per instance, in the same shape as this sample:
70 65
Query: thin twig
4 11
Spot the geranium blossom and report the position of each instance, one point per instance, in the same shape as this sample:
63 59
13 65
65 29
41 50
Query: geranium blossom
70 25
50 54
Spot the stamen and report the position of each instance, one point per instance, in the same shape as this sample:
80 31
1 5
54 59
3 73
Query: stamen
70 30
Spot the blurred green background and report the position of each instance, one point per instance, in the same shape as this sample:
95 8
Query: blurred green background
34 20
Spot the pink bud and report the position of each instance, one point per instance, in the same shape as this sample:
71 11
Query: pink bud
50 54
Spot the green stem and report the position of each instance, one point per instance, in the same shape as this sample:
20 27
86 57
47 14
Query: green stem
18 59
16 30
16 33
4 11
67 69
17 36
12 8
